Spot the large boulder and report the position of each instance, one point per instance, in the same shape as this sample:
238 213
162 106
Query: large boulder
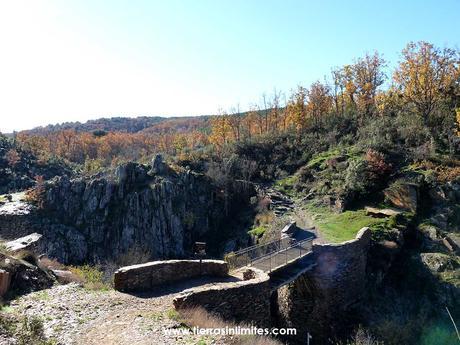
25 277
403 195
28 242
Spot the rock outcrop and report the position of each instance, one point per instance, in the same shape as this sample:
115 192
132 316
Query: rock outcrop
134 210
403 195
18 276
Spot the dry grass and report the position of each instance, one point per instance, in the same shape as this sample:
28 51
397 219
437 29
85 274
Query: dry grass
443 172
264 218
198 317
362 337
51 264
91 277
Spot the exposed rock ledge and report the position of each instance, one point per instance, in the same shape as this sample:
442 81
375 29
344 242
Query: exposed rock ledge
137 213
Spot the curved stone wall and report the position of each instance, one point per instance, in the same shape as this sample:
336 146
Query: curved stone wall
319 301
246 301
146 276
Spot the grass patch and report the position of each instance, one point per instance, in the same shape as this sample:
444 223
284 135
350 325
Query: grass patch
41 296
92 277
156 316
258 231
451 277
286 185
32 331
6 309
339 227
319 160
173 314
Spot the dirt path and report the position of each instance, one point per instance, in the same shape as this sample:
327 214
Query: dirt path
293 209
73 315
304 220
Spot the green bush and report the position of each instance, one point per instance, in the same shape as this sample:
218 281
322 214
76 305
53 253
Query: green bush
258 231
91 276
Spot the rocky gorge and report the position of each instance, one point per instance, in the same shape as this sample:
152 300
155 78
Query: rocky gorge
151 212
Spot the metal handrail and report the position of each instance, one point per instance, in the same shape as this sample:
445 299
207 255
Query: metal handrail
260 245
294 245
248 255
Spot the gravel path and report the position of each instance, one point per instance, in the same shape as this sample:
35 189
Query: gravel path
76 316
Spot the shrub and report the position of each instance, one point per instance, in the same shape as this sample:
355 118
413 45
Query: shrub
7 326
32 332
363 337
36 195
356 180
258 231
376 163
199 317
264 218
91 276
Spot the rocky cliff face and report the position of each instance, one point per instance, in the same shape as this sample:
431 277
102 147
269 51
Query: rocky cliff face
154 212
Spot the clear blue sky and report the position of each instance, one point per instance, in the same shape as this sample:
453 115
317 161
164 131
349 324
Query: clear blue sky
76 60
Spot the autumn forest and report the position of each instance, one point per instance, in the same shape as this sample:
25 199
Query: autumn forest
423 90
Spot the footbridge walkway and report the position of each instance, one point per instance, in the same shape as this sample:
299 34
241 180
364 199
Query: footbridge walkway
284 259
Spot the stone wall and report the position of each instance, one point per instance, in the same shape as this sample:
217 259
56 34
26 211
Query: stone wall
146 276
320 301
245 301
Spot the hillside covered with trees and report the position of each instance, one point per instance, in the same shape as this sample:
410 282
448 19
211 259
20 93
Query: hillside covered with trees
412 109
367 137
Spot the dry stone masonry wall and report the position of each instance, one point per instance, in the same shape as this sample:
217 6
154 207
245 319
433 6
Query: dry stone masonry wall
146 276
319 301
246 301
